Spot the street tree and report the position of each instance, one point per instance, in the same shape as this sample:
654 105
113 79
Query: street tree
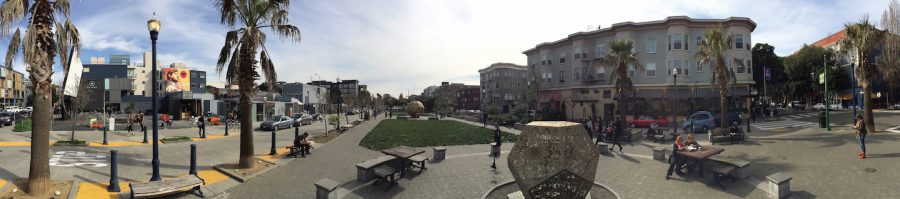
620 59
248 20
862 40
714 48
49 33
764 57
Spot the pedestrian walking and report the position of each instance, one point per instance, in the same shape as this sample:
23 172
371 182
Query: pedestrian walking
861 131
617 131
130 126
497 139
675 159
201 125
140 121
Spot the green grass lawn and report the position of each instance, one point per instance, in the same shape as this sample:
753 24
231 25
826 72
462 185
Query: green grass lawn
423 133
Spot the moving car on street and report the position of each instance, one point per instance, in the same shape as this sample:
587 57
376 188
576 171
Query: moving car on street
276 123
703 121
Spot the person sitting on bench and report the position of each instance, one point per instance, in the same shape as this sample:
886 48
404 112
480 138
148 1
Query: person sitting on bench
304 144
735 133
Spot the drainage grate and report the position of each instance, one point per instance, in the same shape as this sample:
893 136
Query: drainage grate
871 170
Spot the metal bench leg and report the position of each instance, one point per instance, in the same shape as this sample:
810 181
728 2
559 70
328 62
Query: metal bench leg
199 191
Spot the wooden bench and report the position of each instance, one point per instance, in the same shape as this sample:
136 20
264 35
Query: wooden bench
168 186
364 170
738 164
720 172
419 162
718 135
386 173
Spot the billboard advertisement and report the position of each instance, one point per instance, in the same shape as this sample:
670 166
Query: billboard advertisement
177 80
73 76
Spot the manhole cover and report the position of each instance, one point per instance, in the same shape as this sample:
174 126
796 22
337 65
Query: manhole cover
871 170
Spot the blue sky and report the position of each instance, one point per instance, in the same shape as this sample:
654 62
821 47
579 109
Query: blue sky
404 46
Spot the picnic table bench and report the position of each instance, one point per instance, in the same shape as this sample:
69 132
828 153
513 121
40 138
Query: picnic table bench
720 172
404 153
164 187
386 173
419 162
738 164
365 170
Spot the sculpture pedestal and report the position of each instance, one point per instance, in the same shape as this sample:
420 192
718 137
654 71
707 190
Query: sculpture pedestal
503 191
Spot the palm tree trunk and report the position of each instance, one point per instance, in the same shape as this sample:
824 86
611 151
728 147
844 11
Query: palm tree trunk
245 81
39 171
867 103
723 121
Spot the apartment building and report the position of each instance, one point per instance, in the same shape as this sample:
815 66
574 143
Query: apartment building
574 85
12 87
503 86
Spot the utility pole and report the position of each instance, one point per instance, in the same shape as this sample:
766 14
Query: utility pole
827 106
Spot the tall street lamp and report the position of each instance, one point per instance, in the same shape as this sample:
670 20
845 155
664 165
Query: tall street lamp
674 86
153 25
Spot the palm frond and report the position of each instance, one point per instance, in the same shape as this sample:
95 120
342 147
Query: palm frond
14 47
268 69
232 73
62 46
289 31
11 11
227 10
231 38
62 6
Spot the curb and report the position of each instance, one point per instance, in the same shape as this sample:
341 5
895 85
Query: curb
245 179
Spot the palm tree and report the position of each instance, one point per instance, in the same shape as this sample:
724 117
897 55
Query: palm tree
239 54
862 39
620 58
715 48
46 36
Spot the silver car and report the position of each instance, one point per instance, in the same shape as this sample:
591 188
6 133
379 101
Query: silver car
301 119
276 123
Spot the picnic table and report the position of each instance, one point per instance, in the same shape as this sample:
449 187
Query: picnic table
700 155
404 153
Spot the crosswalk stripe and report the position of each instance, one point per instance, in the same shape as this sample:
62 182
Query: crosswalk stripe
782 124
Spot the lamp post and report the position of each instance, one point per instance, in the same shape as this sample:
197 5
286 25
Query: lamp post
674 86
153 26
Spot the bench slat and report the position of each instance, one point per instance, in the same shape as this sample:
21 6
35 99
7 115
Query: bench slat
418 158
384 170
375 162
166 186
731 161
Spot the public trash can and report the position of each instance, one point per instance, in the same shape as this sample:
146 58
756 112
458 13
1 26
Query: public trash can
821 119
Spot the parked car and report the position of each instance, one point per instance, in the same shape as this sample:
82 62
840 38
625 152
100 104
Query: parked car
894 107
350 113
6 119
645 121
301 119
703 121
819 106
276 123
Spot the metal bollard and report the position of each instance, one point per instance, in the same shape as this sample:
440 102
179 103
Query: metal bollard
144 128
296 132
272 152
193 170
113 173
226 127
105 140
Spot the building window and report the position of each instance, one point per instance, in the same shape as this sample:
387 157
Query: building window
577 52
577 72
678 64
562 76
740 66
738 41
562 58
676 41
630 70
699 40
607 94
651 45
601 72
699 67
600 50
651 69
